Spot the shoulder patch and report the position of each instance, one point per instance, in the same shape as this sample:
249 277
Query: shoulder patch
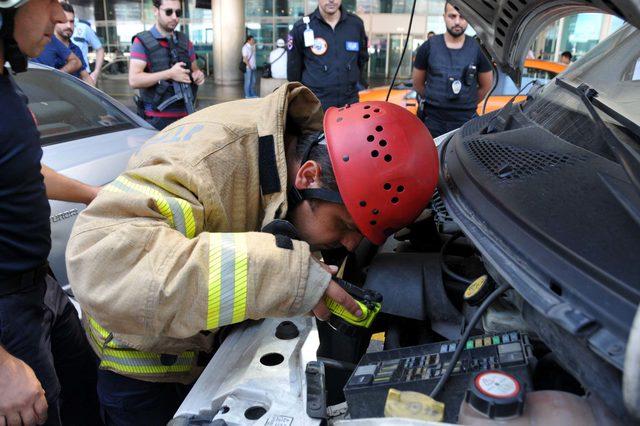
289 42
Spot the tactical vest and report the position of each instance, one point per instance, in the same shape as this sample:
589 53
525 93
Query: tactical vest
159 59
446 66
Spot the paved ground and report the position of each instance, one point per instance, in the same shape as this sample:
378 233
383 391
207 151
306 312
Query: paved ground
208 94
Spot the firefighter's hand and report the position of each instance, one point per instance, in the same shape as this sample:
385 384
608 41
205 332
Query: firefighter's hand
198 77
179 73
337 293
22 400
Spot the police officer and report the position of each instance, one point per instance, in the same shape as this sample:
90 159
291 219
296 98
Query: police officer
47 370
452 74
328 54
152 69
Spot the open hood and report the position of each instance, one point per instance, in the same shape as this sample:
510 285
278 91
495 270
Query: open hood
506 28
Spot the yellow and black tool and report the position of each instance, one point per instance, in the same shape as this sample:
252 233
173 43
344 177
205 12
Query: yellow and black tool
344 321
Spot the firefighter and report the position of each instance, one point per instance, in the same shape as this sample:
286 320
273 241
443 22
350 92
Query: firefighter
171 250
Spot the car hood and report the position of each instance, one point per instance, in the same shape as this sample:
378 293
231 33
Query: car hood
506 28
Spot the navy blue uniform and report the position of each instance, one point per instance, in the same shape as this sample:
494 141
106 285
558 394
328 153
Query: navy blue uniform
446 110
38 324
332 68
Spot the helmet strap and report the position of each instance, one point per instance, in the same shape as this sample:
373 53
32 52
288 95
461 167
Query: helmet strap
297 196
12 53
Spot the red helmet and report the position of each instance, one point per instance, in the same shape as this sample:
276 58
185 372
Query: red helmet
385 163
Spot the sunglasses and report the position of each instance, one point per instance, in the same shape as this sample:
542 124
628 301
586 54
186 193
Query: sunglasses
170 12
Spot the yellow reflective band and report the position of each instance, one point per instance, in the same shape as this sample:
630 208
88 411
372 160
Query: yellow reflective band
215 271
132 361
146 369
228 271
240 298
178 212
189 221
185 207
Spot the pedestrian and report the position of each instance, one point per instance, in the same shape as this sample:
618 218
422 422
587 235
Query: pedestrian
58 55
84 37
430 34
171 251
249 59
63 32
47 370
278 60
565 57
452 75
160 57
328 54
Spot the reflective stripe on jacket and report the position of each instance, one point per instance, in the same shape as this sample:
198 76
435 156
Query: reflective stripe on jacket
169 251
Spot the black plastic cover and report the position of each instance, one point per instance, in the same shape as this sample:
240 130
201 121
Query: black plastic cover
544 219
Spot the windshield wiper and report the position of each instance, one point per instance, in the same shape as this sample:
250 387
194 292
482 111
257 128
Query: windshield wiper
628 157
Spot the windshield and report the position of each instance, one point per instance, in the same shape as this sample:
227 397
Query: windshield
65 109
612 68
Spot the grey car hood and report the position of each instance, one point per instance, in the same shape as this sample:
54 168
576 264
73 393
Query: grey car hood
506 28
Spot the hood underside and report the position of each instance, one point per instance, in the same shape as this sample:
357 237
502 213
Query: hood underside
506 28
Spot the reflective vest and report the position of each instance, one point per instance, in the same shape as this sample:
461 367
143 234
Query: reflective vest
159 59
447 66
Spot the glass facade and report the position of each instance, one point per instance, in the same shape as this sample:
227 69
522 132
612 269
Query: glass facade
117 21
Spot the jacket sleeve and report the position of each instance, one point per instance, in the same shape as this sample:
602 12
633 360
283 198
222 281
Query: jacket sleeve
295 46
363 58
141 263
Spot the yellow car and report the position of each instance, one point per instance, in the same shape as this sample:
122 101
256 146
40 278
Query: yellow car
403 94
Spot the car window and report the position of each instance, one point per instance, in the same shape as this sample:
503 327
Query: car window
65 109
611 68
506 86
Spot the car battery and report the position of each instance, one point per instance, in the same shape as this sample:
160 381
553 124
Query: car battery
418 368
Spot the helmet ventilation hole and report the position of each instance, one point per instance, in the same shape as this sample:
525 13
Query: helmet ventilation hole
366 116
345 158
367 106
379 128
370 138
387 186
395 200
383 142
376 110
374 153
339 119
363 203
388 158
373 223
400 188
375 211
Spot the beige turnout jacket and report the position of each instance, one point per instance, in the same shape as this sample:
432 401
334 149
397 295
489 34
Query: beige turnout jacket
171 248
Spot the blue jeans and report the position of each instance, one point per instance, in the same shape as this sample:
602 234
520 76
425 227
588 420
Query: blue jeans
129 402
250 83
40 326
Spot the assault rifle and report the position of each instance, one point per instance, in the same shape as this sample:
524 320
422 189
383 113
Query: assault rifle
182 91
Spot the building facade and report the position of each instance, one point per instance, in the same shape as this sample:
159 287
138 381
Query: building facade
209 23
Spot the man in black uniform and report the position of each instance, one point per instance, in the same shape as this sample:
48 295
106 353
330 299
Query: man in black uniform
47 370
328 54
452 75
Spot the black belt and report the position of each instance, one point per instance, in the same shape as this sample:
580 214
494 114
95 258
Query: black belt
15 283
